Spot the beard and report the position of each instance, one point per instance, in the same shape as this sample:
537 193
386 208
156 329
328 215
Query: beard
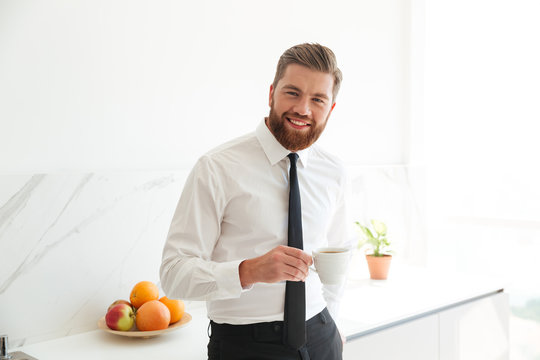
293 140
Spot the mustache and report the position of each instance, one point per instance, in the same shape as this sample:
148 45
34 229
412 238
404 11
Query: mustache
296 115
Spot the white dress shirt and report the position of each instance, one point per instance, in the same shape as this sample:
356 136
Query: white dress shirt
234 206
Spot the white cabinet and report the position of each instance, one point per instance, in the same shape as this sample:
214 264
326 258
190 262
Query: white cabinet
414 340
476 330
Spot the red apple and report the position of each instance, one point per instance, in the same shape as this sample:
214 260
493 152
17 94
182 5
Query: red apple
118 302
120 317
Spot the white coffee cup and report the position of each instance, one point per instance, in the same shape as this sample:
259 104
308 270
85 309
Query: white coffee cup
331 264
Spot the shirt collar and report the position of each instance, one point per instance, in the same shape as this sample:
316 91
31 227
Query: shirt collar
275 152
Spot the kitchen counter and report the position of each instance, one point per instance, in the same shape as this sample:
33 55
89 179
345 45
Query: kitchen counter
409 293
188 342
368 307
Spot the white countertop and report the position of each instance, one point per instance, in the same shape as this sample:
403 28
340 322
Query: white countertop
188 342
367 306
372 305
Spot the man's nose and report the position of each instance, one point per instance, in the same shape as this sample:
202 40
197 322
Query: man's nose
302 107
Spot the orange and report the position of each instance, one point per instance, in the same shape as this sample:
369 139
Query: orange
142 292
176 308
152 315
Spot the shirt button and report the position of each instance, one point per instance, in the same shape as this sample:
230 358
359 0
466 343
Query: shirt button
277 328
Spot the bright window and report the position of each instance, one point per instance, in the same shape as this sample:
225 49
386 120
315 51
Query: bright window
481 130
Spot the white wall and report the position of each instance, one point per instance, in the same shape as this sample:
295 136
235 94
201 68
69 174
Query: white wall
100 85
104 106
482 124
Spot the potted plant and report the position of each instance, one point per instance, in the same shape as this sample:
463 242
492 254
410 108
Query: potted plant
378 254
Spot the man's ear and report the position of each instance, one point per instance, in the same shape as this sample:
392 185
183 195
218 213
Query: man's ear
270 95
333 106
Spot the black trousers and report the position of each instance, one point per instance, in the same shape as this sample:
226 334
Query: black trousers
264 341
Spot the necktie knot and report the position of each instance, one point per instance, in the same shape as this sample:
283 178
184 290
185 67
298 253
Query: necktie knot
293 157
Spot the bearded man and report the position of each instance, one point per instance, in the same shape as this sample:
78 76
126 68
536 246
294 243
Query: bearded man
251 212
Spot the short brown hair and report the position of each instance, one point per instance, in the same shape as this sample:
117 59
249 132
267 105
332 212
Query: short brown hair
313 56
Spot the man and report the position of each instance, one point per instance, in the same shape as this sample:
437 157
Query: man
230 237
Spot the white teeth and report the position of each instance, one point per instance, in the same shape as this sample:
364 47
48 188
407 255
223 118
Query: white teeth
299 123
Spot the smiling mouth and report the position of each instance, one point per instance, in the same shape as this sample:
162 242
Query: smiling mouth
297 123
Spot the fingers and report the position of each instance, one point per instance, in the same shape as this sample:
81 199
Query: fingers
279 264
289 273
297 263
299 254
294 274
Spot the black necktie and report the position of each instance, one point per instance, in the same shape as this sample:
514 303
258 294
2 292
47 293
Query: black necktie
295 291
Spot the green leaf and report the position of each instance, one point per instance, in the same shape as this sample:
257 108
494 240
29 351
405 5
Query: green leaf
377 243
379 227
373 242
368 232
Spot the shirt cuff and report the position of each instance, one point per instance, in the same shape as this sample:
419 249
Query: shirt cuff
228 278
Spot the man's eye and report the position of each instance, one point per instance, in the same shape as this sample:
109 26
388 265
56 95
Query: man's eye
318 100
292 93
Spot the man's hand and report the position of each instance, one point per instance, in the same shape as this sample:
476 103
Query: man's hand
280 263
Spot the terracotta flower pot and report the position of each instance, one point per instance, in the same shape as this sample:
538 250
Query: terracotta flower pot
378 266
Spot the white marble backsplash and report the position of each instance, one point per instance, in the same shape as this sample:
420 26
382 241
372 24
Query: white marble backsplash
70 244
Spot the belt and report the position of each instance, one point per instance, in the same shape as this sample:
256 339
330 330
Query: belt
264 331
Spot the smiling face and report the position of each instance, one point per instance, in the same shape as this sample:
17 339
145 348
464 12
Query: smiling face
300 105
